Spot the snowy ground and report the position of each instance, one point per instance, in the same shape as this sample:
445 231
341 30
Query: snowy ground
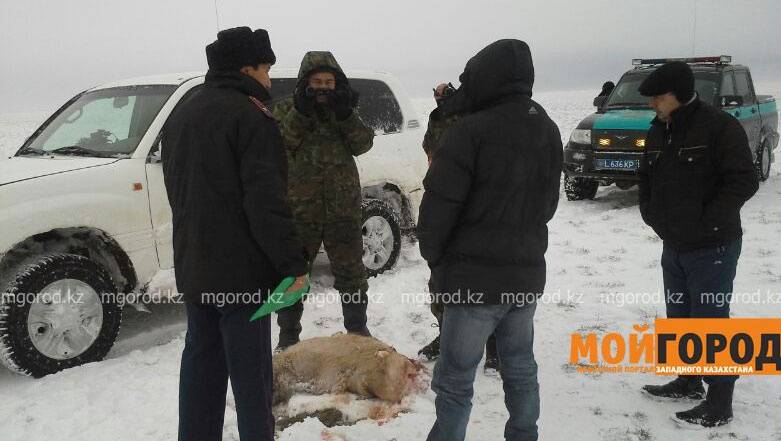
597 248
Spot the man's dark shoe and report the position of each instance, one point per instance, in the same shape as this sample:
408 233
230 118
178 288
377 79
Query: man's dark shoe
682 387
431 351
715 411
704 415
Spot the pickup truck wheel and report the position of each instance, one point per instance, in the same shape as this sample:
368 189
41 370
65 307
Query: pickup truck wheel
56 313
578 189
381 236
763 163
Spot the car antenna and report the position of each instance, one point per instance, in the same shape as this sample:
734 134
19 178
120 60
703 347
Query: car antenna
694 30
217 15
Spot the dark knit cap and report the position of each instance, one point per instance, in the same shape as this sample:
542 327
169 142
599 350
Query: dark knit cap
239 47
675 77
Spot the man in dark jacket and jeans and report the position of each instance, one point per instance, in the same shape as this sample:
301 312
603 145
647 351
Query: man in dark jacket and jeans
492 187
437 126
696 174
234 238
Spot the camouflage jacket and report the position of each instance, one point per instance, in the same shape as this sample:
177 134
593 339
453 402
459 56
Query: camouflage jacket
437 125
323 181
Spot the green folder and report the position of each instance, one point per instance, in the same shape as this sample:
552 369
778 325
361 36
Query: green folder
279 299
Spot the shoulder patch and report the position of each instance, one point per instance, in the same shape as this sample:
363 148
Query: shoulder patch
533 110
262 107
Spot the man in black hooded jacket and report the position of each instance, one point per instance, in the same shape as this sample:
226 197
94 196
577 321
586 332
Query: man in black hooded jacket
492 187
234 236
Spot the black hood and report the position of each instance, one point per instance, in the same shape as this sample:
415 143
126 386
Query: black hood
501 70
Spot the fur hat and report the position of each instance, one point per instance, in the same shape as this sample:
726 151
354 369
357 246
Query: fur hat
239 47
263 44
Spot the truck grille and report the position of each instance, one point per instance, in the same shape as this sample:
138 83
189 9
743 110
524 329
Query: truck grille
619 140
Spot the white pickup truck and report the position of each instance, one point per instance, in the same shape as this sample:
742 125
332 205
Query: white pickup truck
84 213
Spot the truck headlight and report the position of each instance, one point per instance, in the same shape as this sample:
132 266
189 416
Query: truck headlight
581 136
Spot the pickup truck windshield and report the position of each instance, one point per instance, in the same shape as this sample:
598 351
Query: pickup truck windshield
102 123
626 93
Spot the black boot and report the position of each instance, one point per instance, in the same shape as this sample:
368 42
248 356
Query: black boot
715 411
491 357
491 366
362 331
689 386
354 313
286 340
431 351
289 321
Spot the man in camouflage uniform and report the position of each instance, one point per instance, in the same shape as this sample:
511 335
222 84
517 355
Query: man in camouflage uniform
437 125
322 134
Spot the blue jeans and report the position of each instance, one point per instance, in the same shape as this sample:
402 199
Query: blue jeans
221 343
465 330
698 284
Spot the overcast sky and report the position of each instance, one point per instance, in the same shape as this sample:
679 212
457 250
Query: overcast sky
50 50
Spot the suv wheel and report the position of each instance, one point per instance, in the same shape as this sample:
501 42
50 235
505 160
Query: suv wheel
381 236
55 314
578 189
763 163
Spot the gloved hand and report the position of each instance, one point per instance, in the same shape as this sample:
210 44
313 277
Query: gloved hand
303 101
443 91
343 101
458 103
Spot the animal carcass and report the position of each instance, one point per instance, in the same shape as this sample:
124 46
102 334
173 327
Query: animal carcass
343 363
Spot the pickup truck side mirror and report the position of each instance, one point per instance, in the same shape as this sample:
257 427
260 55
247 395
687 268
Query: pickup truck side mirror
731 101
600 101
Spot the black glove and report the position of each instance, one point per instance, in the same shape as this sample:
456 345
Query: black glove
448 91
343 101
303 101
458 103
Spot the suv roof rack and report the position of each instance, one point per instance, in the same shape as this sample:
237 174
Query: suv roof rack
719 59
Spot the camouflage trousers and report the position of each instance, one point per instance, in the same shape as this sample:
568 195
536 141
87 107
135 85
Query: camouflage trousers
343 244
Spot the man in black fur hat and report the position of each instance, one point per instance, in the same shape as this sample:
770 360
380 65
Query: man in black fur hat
234 238
696 173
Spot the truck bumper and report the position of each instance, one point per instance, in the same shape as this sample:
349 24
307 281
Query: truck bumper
581 162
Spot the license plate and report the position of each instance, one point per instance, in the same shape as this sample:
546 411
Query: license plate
617 164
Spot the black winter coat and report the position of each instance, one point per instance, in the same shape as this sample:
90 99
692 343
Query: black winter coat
695 175
225 173
492 186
